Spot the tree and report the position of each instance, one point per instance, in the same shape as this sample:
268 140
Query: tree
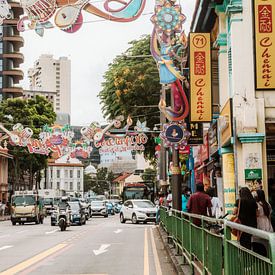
32 113
130 82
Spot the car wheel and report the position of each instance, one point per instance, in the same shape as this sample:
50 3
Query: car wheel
134 219
13 223
106 216
145 222
122 220
52 224
41 220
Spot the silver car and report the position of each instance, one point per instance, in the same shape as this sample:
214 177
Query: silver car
138 211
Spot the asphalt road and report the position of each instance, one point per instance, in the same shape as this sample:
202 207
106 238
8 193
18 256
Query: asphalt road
102 246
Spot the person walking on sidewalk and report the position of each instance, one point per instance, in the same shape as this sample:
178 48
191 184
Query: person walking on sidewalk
199 203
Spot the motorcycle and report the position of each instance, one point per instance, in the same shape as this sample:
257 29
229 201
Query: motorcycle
64 219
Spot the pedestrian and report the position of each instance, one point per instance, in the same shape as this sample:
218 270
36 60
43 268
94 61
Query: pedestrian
3 208
169 199
184 198
246 210
216 208
259 245
161 199
199 203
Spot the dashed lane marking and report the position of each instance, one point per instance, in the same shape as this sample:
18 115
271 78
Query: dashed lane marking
51 232
5 247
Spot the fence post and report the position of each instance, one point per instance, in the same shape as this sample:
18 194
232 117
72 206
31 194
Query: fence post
203 244
227 236
272 250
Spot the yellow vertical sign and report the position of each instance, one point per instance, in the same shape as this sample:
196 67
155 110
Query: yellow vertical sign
264 22
228 182
200 78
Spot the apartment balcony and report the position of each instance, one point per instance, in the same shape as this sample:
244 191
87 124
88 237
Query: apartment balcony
16 40
16 91
18 58
17 8
17 75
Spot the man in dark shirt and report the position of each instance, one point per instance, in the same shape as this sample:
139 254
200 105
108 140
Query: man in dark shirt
199 203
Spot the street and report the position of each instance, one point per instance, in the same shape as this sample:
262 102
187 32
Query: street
102 246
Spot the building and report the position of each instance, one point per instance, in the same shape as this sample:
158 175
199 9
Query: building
65 174
54 75
50 96
244 127
10 56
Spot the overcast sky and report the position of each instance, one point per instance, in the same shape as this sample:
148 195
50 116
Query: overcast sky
91 49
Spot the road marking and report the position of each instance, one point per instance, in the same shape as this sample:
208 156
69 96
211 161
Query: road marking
50 232
31 261
118 231
102 249
5 247
4 236
156 256
146 256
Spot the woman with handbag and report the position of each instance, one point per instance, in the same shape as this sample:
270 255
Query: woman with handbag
263 222
246 210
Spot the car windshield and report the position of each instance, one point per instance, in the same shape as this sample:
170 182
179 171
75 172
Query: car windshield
97 203
144 204
74 206
24 200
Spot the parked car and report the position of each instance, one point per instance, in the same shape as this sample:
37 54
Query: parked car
138 211
77 213
118 206
110 207
99 208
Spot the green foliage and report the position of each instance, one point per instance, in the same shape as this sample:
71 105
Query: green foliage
149 175
130 82
32 113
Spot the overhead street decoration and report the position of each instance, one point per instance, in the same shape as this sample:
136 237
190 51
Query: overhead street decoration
175 135
67 15
5 12
167 45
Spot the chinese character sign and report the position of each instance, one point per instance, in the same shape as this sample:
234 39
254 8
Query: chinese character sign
200 78
264 12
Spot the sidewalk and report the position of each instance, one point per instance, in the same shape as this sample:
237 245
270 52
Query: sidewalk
4 218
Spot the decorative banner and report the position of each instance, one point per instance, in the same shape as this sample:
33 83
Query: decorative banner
174 135
167 45
264 28
200 77
80 149
68 14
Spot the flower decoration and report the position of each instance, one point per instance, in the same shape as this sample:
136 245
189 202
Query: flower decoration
168 17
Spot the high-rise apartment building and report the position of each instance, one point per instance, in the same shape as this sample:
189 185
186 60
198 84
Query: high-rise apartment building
10 56
53 75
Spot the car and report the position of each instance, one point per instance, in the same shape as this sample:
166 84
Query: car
99 208
77 213
138 211
118 206
110 207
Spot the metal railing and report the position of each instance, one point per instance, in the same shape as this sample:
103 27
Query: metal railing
208 251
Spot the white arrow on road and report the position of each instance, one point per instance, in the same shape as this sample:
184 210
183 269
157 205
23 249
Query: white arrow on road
118 231
102 249
5 247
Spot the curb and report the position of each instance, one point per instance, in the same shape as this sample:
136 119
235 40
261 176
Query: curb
6 218
172 254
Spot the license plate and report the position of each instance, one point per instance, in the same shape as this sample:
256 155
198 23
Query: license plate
152 215
23 219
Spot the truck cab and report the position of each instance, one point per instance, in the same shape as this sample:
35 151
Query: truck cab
27 206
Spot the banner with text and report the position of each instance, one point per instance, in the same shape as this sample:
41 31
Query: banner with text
264 22
200 78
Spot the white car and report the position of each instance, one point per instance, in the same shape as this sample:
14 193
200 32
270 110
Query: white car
138 211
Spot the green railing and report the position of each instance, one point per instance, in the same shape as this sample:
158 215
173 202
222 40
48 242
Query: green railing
209 252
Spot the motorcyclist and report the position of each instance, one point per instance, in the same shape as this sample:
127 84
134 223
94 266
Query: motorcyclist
64 206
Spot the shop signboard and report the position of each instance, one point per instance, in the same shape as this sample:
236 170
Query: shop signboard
253 174
264 33
204 148
196 133
213 139
225 123
196 156
200 78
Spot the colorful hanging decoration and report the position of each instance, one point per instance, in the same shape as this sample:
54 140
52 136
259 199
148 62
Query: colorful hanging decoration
5 12
67 15
174 135
167 45
80 149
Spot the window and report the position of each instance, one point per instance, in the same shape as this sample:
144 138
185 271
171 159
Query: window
58 185
1 64
78 173
1 47
66 173
58 173
71 186
1 82
71 173
51 173
78 186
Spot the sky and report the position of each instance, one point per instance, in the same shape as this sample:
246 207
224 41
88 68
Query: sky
90 50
